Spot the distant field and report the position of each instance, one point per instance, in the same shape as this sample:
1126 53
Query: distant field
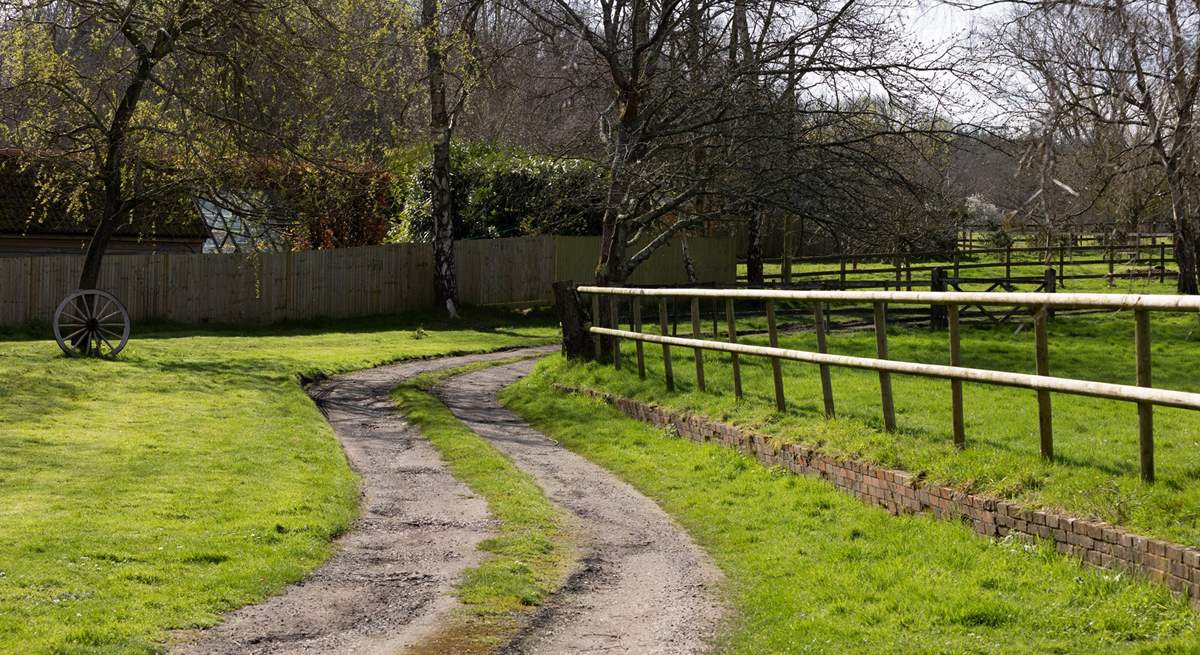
1142 282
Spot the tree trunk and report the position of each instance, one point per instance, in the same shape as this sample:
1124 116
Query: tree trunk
754 252
1184 228
89 278
1186 249
112 175
689 264
445 281
576 344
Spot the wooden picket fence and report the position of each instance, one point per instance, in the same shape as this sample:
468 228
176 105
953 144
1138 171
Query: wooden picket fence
1041 304
342 283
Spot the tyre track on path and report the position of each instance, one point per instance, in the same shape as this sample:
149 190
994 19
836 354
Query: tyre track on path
390 582
644 587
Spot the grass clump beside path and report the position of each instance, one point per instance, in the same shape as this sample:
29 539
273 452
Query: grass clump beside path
1095 473
811 570
190 476
532 551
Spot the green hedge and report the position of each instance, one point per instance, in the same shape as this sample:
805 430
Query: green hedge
499 191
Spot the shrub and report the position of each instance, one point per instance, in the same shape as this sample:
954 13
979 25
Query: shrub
499 191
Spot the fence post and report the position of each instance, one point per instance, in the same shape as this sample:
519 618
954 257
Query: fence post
614 307
1042 361
636 318
822 347
937 312
731 319
1062 260
842 271
1110 254
1162 263
956 260
956 396
885 378
776 366
596 322
663 327
1145 410
698 353
1049 285
570 315
1008 261
785 269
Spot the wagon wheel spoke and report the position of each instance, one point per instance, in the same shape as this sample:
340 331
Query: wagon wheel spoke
107 304
109 315
74 334
100 337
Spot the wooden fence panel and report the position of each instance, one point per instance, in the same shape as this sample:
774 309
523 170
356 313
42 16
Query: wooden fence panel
715 259
343 283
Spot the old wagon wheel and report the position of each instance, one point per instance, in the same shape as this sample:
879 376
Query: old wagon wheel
91 323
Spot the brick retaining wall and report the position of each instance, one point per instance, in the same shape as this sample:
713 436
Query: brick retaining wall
1096 543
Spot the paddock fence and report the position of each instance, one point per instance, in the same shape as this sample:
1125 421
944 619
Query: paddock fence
343 283
1041 304
899 267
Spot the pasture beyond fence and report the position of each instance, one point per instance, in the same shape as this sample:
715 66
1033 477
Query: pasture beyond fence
1143 394
902 265
342 283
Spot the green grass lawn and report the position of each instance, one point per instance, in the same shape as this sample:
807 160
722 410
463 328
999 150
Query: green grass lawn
1096 471
531 553
812 570
190 476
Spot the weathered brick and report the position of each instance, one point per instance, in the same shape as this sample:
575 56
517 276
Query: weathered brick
899 491
1191 557
1173 552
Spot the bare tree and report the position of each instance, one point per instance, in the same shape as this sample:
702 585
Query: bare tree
1118 77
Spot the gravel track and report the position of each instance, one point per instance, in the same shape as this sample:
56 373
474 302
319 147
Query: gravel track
389 583
644 586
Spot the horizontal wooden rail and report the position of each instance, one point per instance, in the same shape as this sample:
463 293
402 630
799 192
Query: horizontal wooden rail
1042 304
1155 302
1129 393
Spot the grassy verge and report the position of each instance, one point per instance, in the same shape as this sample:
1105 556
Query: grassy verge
191 476
532 550
812 570
1096 470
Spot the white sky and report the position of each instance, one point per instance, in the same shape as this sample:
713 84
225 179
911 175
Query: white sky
934 21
